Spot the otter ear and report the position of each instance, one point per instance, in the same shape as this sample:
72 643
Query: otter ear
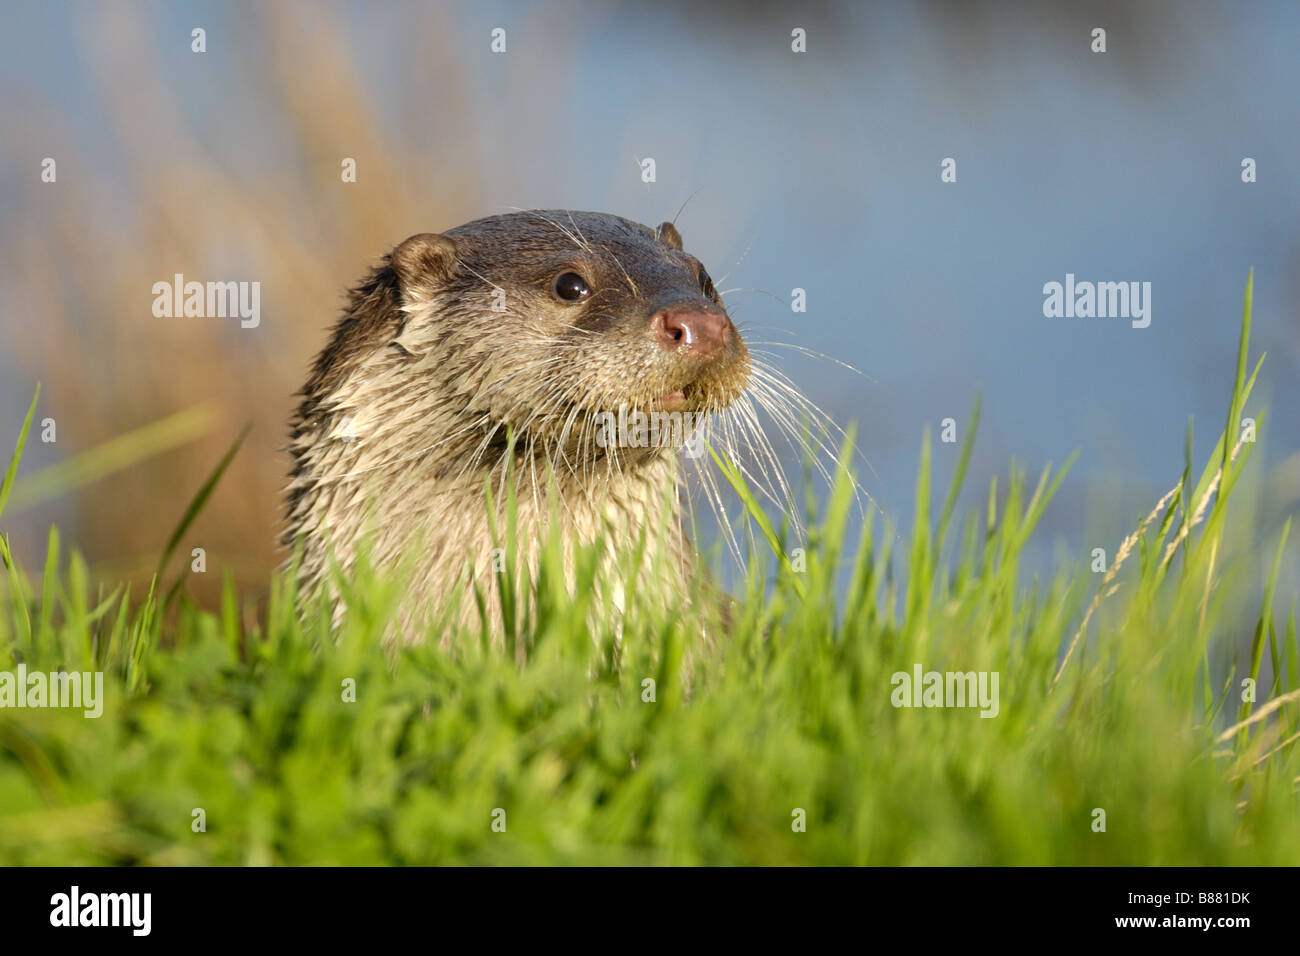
423 263
669 234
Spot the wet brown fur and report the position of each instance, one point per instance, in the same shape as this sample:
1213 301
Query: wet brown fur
406 411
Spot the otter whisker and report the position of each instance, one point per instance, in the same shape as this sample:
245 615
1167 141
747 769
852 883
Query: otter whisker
813 353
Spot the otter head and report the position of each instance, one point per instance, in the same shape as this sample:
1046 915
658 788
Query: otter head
542 327
546 321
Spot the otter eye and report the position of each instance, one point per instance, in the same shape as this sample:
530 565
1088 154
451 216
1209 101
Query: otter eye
571 287
706 286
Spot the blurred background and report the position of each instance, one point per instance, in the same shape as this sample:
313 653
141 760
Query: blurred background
816 170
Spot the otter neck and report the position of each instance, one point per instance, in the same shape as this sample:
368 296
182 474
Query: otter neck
432 511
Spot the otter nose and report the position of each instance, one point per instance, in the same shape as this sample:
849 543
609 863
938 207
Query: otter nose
702 332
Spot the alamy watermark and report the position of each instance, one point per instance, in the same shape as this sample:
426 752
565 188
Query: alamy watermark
133 911
946 689
76 689
633 428
1101 300
211 300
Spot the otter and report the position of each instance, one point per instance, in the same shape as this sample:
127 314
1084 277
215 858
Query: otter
506 347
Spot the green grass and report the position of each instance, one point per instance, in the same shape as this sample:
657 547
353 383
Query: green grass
1118 691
